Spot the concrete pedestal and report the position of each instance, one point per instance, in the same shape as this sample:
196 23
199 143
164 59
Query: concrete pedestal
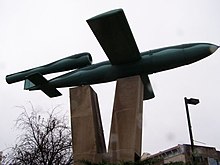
87 132
126 127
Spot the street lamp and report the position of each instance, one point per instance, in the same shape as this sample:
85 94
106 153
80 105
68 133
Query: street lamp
192 101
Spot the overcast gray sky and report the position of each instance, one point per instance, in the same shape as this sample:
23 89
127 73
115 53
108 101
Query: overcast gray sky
34 33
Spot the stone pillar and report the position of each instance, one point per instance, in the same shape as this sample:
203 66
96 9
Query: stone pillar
126 128
87 132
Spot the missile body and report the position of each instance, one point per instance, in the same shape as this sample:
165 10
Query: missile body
65 64
113 33
152 61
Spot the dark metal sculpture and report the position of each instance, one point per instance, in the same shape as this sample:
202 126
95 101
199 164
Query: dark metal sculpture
114 35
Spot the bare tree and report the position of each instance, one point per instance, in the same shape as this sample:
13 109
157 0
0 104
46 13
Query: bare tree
44 140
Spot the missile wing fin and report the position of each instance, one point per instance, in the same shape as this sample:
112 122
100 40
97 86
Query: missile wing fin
114 35
37 80
148 90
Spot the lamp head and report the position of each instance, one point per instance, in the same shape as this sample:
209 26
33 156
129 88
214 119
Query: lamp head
192 101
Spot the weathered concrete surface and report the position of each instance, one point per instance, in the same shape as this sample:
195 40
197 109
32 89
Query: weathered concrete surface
87 132
126 128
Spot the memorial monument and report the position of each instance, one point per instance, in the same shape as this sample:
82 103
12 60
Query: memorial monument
129 68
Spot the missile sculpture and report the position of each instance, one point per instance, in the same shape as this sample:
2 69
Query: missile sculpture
114 35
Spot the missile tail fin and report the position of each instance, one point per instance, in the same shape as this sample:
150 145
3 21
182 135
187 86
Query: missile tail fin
148 90
28 84
37 81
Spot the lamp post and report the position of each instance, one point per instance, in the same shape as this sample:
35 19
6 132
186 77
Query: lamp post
192 101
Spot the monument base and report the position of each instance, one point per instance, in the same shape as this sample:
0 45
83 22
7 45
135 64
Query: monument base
126 127
87 132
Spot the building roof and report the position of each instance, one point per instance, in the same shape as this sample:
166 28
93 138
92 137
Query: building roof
179 149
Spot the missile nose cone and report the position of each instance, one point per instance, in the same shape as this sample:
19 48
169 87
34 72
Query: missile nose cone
213 48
